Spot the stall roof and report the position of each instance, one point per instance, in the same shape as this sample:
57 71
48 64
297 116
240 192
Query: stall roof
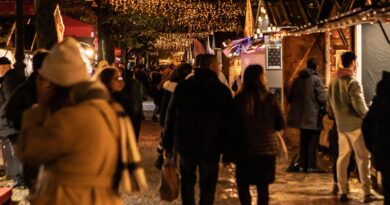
76 28
8 8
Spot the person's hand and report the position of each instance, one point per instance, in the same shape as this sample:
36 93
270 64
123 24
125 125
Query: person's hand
44 91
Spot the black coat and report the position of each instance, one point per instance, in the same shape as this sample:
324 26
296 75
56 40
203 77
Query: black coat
23 98
306 96
376 126
198 116
168 89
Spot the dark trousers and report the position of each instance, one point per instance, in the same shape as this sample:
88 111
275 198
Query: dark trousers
386 186
308 148
208 174
245 195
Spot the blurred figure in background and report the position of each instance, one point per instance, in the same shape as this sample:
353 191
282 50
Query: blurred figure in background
376 132
23 98
5 65
169 86
133 89
112 78
156 92
13 167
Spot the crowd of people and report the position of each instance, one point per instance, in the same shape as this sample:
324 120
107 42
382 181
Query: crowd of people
67 153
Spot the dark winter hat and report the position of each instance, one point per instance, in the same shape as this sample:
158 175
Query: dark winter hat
4 61
383 86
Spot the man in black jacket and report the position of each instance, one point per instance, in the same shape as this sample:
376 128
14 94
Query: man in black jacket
196 127
376 129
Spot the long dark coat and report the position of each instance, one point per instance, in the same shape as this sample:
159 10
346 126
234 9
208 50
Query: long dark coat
198 116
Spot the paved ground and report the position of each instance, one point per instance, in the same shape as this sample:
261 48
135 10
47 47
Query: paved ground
289 188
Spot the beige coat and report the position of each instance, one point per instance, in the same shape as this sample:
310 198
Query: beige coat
78 152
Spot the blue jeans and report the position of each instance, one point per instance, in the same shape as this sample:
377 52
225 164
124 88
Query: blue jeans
208 173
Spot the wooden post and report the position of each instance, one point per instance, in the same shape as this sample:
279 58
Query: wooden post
19 41
327 59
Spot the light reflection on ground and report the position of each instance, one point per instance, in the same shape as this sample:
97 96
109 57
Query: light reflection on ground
289 188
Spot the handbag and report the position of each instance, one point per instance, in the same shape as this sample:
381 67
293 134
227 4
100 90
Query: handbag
282 152
170 180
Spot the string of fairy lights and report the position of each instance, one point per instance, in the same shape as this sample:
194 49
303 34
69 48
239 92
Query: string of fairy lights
194 15
193 18
177 41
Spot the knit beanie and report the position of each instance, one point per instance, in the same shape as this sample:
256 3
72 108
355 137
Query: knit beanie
64 65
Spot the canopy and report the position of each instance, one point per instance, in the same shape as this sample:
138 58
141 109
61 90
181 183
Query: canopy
8 8
76 28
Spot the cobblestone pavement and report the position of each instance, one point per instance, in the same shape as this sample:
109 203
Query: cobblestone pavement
289 188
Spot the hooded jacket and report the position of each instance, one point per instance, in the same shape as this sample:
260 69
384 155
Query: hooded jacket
76 147
346 100
306 96
376 125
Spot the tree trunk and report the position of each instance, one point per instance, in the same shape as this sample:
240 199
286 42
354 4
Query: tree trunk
45 24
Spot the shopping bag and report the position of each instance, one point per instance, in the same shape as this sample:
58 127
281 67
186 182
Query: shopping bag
282 152
170 181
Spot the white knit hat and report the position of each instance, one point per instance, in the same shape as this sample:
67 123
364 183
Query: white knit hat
64 65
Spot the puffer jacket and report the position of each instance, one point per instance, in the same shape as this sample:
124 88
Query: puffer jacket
198 116
256 132
306 96
76 149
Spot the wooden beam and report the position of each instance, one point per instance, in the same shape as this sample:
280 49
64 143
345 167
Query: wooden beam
321 7
269 13
303 11
297 68
284 11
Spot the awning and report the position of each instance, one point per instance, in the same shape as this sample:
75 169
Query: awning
8 8
76 28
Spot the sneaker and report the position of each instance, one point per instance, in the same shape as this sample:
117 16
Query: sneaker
369 198
343 198
316 170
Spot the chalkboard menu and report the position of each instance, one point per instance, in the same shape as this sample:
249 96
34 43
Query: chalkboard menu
274 57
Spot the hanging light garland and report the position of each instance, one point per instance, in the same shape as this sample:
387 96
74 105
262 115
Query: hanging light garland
348 19
188 15
177 41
